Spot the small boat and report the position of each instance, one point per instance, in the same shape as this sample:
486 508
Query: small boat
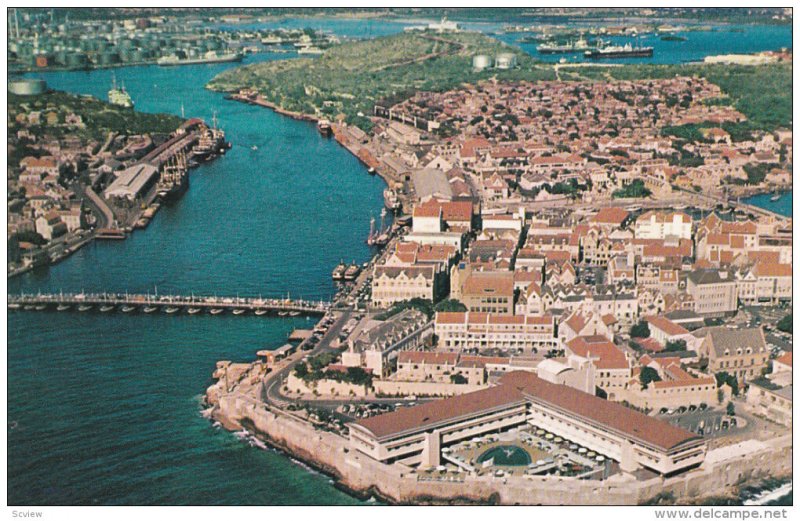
40 307
254 147
194 311
261 312
775 198
238 311
149 309
13 306
171 310
216 311
128 309
106 309
294 313
84 307
338 271
61 307
283 313
371 171
352 271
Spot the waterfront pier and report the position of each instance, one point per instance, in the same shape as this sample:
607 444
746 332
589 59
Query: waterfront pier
170 304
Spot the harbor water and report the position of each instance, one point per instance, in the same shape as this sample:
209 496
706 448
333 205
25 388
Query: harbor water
105 408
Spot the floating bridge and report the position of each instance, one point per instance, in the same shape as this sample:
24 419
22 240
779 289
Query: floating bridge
170 304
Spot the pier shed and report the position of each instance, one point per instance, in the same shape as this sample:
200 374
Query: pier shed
132 182
278 354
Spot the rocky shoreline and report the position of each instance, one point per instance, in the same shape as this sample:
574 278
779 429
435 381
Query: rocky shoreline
360 476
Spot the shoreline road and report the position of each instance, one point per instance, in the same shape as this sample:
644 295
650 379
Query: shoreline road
105 217
271 392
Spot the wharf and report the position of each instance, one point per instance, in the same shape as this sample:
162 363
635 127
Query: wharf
170 304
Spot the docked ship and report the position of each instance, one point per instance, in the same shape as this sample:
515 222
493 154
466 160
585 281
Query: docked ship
210 143
174 179
324 127
351 273
119 96
209 57
310 50
338 271
390 199
379 236
620 51
579 45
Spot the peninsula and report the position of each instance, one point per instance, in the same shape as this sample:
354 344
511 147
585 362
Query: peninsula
572 306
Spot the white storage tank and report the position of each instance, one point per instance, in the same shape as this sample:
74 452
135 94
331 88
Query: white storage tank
505 60
481 61
27 87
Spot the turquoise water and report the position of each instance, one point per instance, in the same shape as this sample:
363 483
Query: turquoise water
506 456
723 40
782 206
105 408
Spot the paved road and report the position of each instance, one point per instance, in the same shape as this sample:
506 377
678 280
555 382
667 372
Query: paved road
276 379
104 215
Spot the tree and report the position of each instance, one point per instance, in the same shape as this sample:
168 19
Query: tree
635 189
450 305
458 378
640 330
724 378
647 375
785 324
301 370
675 345
730 409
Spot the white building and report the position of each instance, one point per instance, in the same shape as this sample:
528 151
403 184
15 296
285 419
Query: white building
465 330
660 225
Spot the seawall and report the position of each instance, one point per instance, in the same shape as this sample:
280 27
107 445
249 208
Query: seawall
401 485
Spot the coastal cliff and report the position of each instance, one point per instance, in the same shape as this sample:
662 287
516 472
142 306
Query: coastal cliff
723 472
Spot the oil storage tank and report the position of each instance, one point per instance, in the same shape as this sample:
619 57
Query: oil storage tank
27 87
481 61
506 60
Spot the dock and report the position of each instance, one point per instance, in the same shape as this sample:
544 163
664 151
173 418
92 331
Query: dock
169 304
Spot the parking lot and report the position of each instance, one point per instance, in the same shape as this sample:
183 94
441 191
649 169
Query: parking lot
709 423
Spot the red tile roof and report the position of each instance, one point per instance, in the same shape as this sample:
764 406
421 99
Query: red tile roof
602 351
611 215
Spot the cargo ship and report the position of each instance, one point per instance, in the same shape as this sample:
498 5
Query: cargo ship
209 57
119 96
210 143
620 51
310 50
174 179
580 45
